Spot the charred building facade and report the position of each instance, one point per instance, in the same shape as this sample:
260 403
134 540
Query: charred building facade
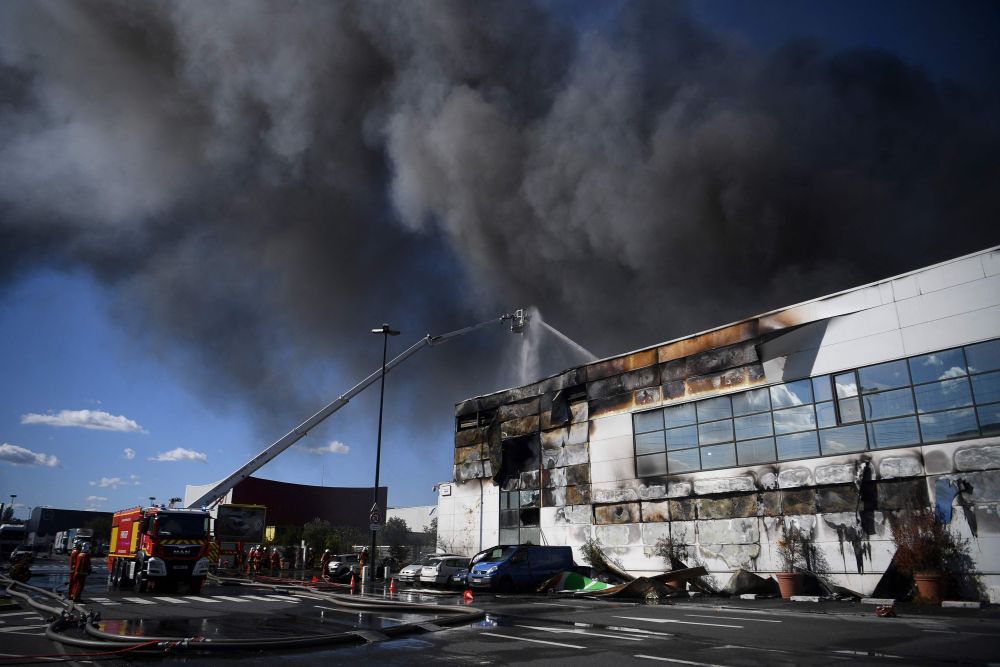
829 416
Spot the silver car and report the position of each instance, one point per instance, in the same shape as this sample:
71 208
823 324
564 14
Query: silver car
441 568
411 573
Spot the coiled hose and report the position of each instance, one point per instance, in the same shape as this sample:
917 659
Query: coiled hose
447 615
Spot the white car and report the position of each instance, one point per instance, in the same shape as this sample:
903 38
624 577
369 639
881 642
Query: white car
343 564
441 568
411 573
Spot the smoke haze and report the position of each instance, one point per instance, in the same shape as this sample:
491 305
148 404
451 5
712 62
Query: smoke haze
259 183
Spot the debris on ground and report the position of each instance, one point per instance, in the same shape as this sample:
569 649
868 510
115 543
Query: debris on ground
743 582
885 612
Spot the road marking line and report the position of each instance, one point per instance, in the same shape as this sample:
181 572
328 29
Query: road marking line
534 641
199 598
33 657
342 611
870 654
286 598
734 618
139 600
20 613
257 597
230 599
23 627
579 632
171 600
678 661
555 604
671 620
748 648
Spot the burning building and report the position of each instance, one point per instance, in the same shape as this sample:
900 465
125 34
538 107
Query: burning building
829 415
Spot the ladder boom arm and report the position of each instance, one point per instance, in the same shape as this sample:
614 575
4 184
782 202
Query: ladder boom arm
217 492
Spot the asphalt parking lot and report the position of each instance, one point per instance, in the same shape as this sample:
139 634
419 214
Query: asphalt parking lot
521 629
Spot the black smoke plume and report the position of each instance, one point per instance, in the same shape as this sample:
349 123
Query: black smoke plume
259 183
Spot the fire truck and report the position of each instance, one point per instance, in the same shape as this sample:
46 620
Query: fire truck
161 545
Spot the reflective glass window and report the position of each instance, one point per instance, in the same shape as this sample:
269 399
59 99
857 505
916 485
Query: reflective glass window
683 460
943 395
894 433
822 390
648 421
989 418
718 456
753 426
647 443
713 432
755 451
938 366
843 439
791 393
951 425
826 414
846 384
884 376
509 536
679 415
714 408
530 536
682 438
791 420
749 402
508 517
983 356
653 464
986 388
850 410
888 404
797 445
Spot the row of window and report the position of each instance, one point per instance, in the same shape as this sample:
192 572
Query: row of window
948 395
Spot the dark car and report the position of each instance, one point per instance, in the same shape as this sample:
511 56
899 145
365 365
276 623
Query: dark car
505 568
460 579
21 552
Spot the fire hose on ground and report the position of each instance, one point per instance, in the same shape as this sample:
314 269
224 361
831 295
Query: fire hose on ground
63 617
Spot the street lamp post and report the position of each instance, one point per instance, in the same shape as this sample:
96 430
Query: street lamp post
2 509
385 331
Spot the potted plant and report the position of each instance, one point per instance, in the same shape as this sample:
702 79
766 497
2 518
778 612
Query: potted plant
926 550
792 553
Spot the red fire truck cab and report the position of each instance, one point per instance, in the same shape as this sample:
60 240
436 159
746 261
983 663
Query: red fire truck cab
162 546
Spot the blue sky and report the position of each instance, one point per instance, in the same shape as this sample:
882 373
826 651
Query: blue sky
63 351
93 416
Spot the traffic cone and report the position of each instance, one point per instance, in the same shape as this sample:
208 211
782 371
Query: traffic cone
467 596
314 580
392 586
352 583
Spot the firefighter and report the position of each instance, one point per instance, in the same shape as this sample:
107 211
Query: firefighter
72 562
363 559
255 561
21 571
275 561
78 573
324 563
248 561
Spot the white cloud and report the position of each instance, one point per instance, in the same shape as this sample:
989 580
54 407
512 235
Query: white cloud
96 499
93 419
180 454
129 453
108 482
21 456
334 447
135 480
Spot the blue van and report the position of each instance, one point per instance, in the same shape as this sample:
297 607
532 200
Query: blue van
506 567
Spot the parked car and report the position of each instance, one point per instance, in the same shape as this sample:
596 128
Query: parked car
20 552
411 573
343 565
460 579
504 568
441 568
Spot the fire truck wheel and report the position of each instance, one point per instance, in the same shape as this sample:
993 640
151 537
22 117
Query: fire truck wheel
141 582
116 573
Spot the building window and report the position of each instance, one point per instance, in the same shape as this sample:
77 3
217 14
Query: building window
948 395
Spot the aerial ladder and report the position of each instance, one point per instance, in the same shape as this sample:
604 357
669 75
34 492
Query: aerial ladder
518 321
